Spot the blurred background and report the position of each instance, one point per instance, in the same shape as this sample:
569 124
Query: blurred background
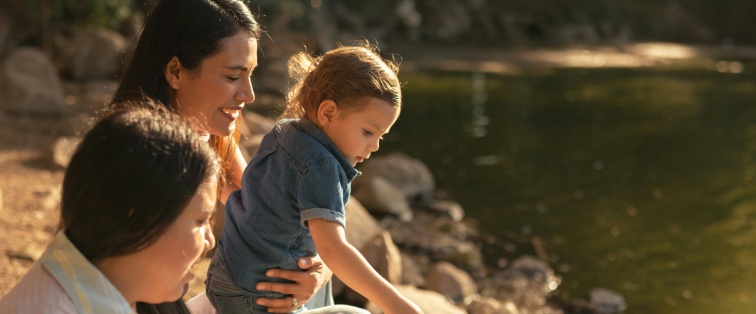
615 140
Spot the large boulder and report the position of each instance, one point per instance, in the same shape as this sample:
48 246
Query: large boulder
375 244
93 54
29 84
391 184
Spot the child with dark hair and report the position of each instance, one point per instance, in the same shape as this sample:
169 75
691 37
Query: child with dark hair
136 203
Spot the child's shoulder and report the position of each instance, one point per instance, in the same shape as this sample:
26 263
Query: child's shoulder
298 144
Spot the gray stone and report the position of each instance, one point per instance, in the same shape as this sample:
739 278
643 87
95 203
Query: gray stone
93 54
385 258
425 236
527 282
411 274
375 244
606 301
383 198
393 183
485 305
447 208
30 84
450 281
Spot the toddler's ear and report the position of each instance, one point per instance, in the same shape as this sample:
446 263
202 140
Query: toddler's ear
326 112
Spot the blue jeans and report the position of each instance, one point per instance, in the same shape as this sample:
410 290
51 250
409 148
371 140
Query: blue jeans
226 297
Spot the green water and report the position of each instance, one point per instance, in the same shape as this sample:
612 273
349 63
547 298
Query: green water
638 180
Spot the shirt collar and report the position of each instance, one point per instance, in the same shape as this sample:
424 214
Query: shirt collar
87 287
306 126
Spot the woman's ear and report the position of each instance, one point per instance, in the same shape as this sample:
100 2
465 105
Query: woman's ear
326 112
172 72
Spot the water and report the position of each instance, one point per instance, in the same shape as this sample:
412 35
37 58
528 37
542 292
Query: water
638 180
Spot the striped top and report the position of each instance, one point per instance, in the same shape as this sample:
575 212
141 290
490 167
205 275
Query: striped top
64 281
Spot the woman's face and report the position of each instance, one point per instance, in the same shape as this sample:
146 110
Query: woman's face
213 95
168 262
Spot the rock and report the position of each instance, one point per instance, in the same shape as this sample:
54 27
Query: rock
607 301
383 198
62 150
428 301
447 208
537 270
393 183
27 253
257 124
411 274
30 84
527 282
450 281
425 236
385 258
93 54
374 243
486 305
447 22
48 197
254 129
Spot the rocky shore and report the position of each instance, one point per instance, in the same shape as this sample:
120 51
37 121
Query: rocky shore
426 246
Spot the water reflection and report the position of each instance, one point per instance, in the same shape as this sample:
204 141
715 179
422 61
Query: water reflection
479 121
640 181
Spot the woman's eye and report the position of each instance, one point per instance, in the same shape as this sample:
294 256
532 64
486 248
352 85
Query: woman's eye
232 78
367 133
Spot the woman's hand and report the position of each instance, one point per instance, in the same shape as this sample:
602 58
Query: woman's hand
306 283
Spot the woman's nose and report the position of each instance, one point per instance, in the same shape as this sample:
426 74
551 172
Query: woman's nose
246 93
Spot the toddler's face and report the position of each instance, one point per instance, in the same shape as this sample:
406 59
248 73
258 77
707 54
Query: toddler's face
357 133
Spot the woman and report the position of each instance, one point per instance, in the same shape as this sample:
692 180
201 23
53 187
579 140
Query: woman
136 203
196 57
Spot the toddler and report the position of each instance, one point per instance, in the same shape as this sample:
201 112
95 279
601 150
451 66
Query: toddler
293 193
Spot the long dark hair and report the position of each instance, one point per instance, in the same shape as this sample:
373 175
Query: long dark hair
190 30
130 178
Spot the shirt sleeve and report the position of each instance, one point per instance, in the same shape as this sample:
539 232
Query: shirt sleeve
321 194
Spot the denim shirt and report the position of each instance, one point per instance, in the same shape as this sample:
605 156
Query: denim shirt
298 174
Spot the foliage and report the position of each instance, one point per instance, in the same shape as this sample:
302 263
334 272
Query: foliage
39 19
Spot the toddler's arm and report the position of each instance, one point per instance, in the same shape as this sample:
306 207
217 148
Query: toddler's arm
349 265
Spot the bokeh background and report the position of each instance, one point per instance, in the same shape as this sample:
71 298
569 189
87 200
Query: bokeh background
615 140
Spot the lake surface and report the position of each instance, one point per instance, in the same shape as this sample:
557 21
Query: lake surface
638 180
